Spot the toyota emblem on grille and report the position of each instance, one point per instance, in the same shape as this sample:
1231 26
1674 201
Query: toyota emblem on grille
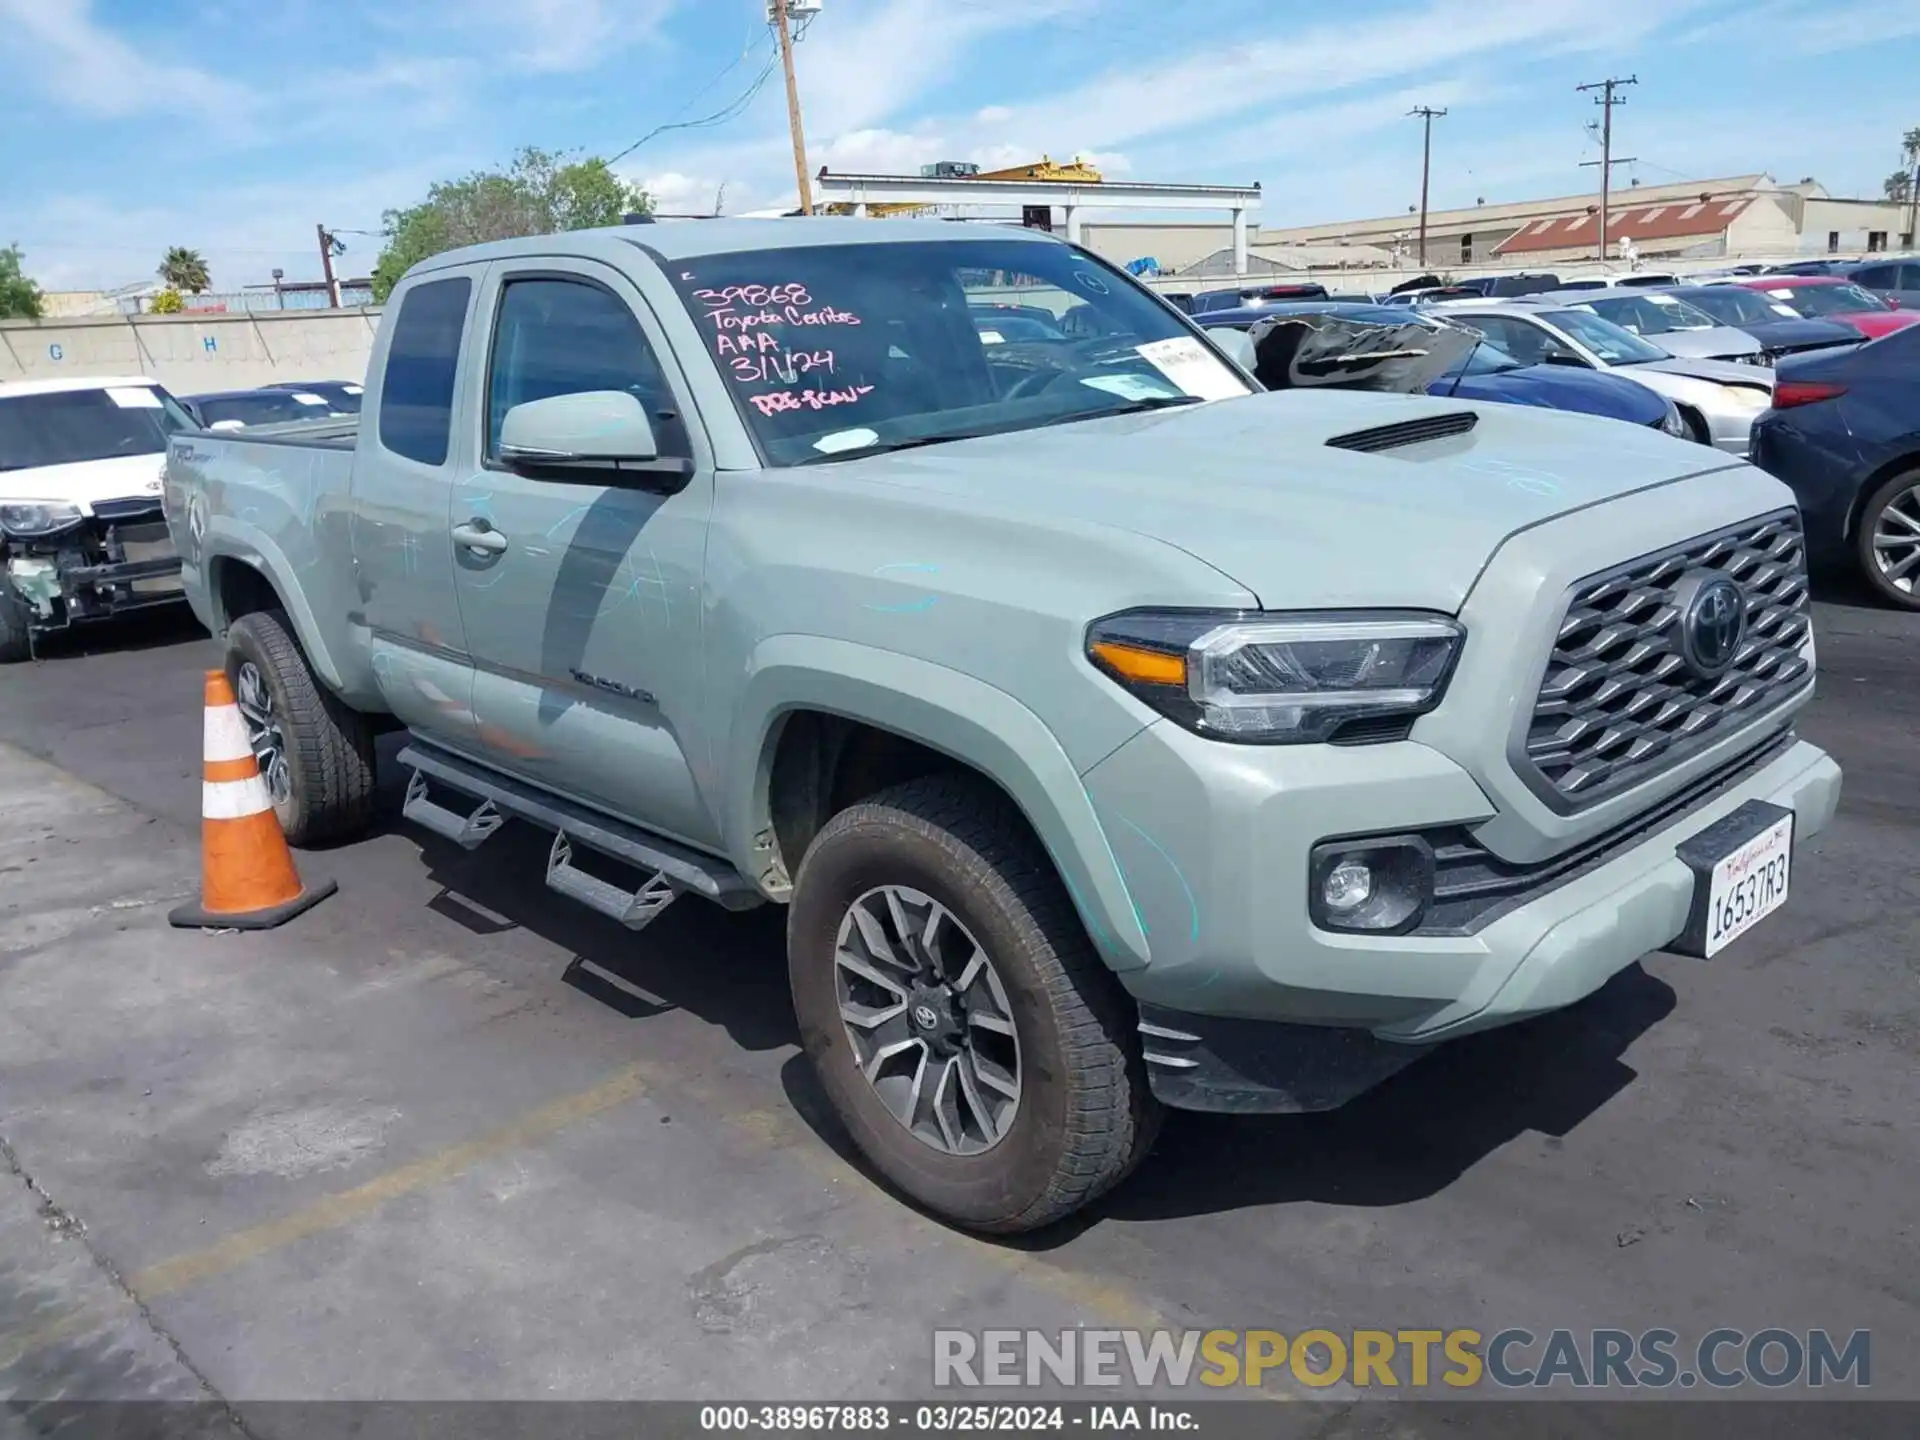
1713 622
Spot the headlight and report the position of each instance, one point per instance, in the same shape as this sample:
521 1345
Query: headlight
27 518
1750 398
1279 679
1674 423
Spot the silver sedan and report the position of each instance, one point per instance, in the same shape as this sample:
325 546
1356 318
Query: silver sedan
1718 399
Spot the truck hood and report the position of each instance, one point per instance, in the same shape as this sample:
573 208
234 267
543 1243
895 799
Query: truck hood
1251 487
120 477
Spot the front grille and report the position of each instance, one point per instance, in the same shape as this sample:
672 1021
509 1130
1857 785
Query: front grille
1619 702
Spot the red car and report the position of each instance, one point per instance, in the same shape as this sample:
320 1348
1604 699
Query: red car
1822 297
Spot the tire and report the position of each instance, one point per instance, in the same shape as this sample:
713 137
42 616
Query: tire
1084 1115
327 792
16 644
1696 425
1877 514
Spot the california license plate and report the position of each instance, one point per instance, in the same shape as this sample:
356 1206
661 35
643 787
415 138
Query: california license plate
1742 867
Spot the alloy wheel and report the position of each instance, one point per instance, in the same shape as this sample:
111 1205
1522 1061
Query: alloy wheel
927 1016
1896 540
263 730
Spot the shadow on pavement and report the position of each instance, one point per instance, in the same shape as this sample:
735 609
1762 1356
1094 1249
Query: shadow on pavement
152 629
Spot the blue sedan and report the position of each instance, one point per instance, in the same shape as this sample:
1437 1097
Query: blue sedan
1489 373
1844 432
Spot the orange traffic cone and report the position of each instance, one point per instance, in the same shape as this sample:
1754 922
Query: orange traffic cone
247 879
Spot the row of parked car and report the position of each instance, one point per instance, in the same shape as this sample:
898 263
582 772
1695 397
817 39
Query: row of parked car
276 404
1813 377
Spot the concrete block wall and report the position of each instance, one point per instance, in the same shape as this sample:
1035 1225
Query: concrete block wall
192 354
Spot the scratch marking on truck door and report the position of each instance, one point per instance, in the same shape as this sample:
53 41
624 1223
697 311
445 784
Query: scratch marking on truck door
1193 905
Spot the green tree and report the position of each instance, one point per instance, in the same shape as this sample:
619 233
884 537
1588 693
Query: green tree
19 296
1899 185
185 269
539 193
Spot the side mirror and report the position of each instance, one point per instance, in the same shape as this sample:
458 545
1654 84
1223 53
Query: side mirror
592 427
1564 357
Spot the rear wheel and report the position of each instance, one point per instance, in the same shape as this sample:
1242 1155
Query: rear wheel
1889 540
314 753
978 1051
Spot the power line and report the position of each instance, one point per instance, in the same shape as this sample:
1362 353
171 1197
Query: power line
725 113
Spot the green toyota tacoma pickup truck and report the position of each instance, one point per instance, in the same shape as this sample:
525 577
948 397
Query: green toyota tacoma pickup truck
1117 735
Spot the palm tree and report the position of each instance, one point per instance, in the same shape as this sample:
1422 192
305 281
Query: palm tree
185 269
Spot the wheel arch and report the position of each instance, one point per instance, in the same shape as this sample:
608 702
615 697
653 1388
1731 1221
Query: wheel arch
822 720
243 579
1871 482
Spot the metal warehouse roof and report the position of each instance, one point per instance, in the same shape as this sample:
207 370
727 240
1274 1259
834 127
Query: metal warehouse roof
1671 221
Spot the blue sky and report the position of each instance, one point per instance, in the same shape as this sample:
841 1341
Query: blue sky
234 125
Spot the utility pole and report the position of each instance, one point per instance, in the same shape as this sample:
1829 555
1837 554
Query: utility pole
793 106
326 266
1427 115
1606 100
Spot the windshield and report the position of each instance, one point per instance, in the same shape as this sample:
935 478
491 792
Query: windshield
1737 305
1613 345
1650 314
66 427
1827 299
834 351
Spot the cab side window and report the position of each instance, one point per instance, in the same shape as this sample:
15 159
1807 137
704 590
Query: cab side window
416 395
562 337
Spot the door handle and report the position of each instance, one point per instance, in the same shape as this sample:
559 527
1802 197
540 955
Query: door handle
480 537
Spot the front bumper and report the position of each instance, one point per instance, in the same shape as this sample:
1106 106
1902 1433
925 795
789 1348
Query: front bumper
1214 843
106 566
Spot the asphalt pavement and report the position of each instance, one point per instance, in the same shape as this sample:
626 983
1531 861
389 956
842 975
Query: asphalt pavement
447 1136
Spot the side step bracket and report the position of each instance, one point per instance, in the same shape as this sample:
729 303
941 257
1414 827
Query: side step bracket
469 832
633 909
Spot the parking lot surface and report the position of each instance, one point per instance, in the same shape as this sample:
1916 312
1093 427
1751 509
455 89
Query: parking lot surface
446 1136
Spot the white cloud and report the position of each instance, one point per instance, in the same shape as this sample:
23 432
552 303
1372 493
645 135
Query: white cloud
59 49
564 35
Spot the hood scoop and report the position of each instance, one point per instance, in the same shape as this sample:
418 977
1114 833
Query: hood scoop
1407 432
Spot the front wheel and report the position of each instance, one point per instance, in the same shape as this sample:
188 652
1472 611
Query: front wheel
975 1047
1889 540
314 753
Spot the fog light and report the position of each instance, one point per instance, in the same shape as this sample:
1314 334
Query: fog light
1348 886
1379 885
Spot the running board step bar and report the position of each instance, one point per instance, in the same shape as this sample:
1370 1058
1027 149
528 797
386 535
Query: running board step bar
469 832
633 909
672 869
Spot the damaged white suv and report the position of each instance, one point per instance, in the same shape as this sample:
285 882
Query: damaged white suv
82 536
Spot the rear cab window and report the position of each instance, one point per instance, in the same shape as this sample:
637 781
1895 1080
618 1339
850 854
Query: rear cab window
423 359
